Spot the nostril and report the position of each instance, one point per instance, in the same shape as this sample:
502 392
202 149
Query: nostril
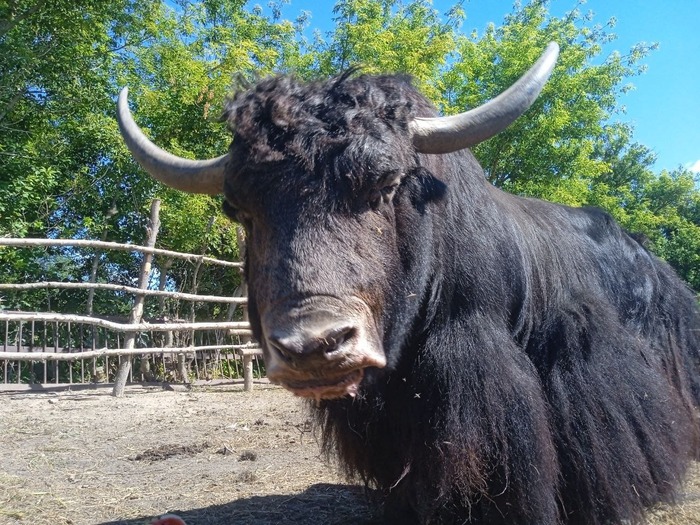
283 346
337 338
309 342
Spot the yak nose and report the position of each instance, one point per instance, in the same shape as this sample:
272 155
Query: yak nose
300 342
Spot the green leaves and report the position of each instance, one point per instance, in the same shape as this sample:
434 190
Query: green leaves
385 36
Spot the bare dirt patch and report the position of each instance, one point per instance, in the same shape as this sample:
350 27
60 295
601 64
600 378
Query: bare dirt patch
219 456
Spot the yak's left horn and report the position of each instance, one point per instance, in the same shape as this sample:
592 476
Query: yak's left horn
447 134
193 176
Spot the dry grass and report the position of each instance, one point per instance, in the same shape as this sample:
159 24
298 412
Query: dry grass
215 457
88 458
687 511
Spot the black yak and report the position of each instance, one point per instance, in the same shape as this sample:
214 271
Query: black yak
475 356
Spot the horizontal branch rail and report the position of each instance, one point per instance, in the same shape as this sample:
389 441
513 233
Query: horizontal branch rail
233 327
5 241
123 288
107 352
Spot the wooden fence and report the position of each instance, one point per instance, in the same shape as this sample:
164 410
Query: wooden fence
44 347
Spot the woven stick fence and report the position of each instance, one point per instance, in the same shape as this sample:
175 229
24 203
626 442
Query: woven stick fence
50 347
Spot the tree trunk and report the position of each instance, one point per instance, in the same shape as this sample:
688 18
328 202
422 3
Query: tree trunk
139 300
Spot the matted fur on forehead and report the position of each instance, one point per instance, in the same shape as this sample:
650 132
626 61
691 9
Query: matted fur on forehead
346 120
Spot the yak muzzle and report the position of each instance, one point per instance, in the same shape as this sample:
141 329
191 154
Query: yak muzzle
320 348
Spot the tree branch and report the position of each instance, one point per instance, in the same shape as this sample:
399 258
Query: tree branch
11 22
11 104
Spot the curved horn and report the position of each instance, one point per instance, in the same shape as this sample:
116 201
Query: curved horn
193 176
447 134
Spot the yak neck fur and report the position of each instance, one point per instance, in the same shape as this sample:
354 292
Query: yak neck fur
524 397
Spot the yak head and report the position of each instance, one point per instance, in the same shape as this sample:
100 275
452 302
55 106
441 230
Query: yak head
329 181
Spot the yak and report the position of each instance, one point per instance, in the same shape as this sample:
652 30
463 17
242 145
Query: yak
472 356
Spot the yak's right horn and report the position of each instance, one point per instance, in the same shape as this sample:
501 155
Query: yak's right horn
193 176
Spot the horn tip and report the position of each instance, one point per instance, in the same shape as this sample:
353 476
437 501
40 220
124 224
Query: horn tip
122 98
552 50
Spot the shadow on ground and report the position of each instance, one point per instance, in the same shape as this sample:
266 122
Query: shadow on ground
321 504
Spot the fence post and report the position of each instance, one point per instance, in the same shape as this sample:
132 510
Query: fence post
137 310
193 305
247 357
169 338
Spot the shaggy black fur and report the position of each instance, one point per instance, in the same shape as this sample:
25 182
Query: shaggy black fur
542 364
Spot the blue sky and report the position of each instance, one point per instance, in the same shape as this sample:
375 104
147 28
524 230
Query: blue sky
664 107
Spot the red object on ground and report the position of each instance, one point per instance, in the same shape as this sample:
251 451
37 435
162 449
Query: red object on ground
169 519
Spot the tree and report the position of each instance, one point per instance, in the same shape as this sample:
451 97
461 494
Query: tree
567 148
387 36
56 125
64 170
552 143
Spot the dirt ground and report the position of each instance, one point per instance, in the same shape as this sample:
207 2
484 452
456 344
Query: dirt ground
212 455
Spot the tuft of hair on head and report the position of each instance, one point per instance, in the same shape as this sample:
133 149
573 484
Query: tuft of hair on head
349 73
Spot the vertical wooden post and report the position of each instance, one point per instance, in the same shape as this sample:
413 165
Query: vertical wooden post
139 300
195 289
247 363
181 364
247 357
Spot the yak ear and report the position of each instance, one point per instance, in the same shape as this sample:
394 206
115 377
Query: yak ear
192 176
448 134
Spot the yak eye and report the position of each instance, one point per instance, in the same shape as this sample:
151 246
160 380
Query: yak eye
388 192
234 213
384 194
